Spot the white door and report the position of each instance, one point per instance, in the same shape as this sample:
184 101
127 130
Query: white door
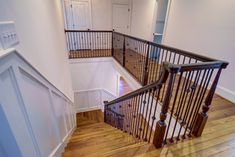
121 18
78 15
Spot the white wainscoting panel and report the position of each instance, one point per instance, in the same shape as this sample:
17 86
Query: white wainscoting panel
39 116
91 99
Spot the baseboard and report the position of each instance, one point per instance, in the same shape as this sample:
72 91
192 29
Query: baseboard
61 147
226 93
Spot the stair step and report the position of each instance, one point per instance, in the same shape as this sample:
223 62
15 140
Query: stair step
100 139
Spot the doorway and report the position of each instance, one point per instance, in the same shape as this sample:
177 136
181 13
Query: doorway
124 87
161 15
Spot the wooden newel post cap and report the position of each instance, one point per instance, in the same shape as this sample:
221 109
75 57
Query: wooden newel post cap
105 102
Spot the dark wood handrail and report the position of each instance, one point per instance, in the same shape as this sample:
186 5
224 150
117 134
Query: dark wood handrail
156 84
203 65
179 51
169 48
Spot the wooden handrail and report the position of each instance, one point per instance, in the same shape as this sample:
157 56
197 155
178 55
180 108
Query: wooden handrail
180 51
203 65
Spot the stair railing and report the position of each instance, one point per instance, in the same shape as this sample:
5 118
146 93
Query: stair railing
177 99
142 114
126 112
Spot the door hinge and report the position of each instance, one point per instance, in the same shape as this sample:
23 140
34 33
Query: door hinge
129 10
71 6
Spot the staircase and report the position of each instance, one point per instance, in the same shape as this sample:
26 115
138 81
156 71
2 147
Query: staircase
96 138
178 88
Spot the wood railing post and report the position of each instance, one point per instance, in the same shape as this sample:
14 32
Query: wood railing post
203 116
124 51
161 124
146 73
105 111
112 48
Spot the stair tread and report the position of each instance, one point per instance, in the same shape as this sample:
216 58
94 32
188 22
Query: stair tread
99 139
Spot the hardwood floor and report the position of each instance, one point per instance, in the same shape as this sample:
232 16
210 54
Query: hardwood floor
97 139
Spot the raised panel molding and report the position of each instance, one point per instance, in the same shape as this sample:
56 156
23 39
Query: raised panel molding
40 117
91 99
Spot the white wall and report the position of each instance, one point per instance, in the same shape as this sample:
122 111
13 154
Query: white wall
208 28
91 99
94 80
94 73
39 24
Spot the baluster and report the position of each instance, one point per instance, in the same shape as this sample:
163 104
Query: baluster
203 116
194 89
105 111
137 114
145 74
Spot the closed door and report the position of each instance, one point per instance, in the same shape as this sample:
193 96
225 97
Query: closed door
121 18
78 18
77 15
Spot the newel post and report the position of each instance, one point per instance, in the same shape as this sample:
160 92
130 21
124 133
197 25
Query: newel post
161 124
112 48
203 116
146 73
105 111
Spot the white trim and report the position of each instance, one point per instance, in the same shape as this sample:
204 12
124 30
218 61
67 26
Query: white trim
225 93
64 13
166 21
90 14
15 73
154 21
60 148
